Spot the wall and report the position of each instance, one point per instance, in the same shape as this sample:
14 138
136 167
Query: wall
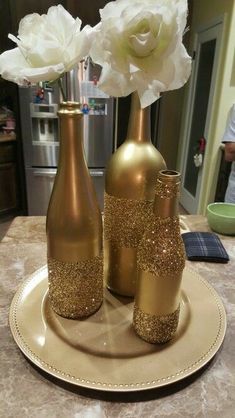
5 43
88 11
21 8
170 113
205 13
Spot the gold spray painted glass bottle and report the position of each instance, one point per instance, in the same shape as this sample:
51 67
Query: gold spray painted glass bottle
129 193
74 226
161 260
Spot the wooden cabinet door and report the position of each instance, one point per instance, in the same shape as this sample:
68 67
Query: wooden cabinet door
8 190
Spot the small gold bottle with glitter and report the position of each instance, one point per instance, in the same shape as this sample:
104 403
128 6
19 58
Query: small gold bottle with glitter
160 260
74 226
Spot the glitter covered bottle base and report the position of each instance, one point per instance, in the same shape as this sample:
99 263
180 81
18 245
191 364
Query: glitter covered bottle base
75 289
155 328
124 224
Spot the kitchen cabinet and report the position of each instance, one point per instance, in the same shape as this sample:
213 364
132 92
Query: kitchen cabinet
9 186
9 199
12 187
5 42
8 195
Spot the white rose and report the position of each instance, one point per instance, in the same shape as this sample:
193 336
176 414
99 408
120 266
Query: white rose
48 46
139 45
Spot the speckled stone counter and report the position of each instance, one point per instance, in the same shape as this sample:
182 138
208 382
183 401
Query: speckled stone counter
26 392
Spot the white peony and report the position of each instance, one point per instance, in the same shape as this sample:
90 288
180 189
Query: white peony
47 46
139 45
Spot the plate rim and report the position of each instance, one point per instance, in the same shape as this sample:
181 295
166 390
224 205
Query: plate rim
104 386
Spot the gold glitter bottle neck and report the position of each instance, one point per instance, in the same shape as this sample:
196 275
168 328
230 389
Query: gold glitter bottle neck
167 194
139 121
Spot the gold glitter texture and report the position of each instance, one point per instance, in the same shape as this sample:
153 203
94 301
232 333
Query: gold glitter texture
167 190
155 328
75 289
161 251
125 220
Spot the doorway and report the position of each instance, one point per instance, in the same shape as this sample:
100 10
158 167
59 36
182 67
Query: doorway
198 114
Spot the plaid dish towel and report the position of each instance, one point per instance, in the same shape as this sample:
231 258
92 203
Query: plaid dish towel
204 246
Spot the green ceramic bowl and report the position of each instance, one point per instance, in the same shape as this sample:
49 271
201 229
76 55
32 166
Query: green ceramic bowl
221 217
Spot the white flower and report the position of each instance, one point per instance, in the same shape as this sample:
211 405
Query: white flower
48 46
139 45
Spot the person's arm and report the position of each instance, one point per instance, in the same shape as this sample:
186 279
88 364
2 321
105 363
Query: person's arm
229 137
229 151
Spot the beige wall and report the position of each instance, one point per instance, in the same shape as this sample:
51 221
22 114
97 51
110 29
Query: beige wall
169 124
204 14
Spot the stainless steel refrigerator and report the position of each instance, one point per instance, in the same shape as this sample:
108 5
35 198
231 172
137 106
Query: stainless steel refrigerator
40 133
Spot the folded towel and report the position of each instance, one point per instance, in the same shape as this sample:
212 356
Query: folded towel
204 246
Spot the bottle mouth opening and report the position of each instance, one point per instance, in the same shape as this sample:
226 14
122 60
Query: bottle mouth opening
70 108
170 176
169 173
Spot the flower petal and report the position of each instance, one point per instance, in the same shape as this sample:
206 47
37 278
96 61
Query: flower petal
115 84
49 73
11 62
14 67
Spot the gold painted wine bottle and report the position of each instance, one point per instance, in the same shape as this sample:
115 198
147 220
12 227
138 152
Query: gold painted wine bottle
129 193
74 226
161 260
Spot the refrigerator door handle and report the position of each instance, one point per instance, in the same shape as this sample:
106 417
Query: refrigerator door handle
47 173
95 173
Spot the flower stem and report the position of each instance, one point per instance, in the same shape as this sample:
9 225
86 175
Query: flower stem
62 90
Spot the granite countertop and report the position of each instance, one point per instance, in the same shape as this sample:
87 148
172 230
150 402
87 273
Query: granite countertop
25 391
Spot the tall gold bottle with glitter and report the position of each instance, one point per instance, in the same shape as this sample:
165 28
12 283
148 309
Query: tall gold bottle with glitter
129 193
161 260
74 226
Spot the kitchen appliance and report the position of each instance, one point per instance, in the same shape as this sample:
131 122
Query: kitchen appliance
40 133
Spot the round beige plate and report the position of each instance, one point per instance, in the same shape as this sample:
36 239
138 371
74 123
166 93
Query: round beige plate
103 352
